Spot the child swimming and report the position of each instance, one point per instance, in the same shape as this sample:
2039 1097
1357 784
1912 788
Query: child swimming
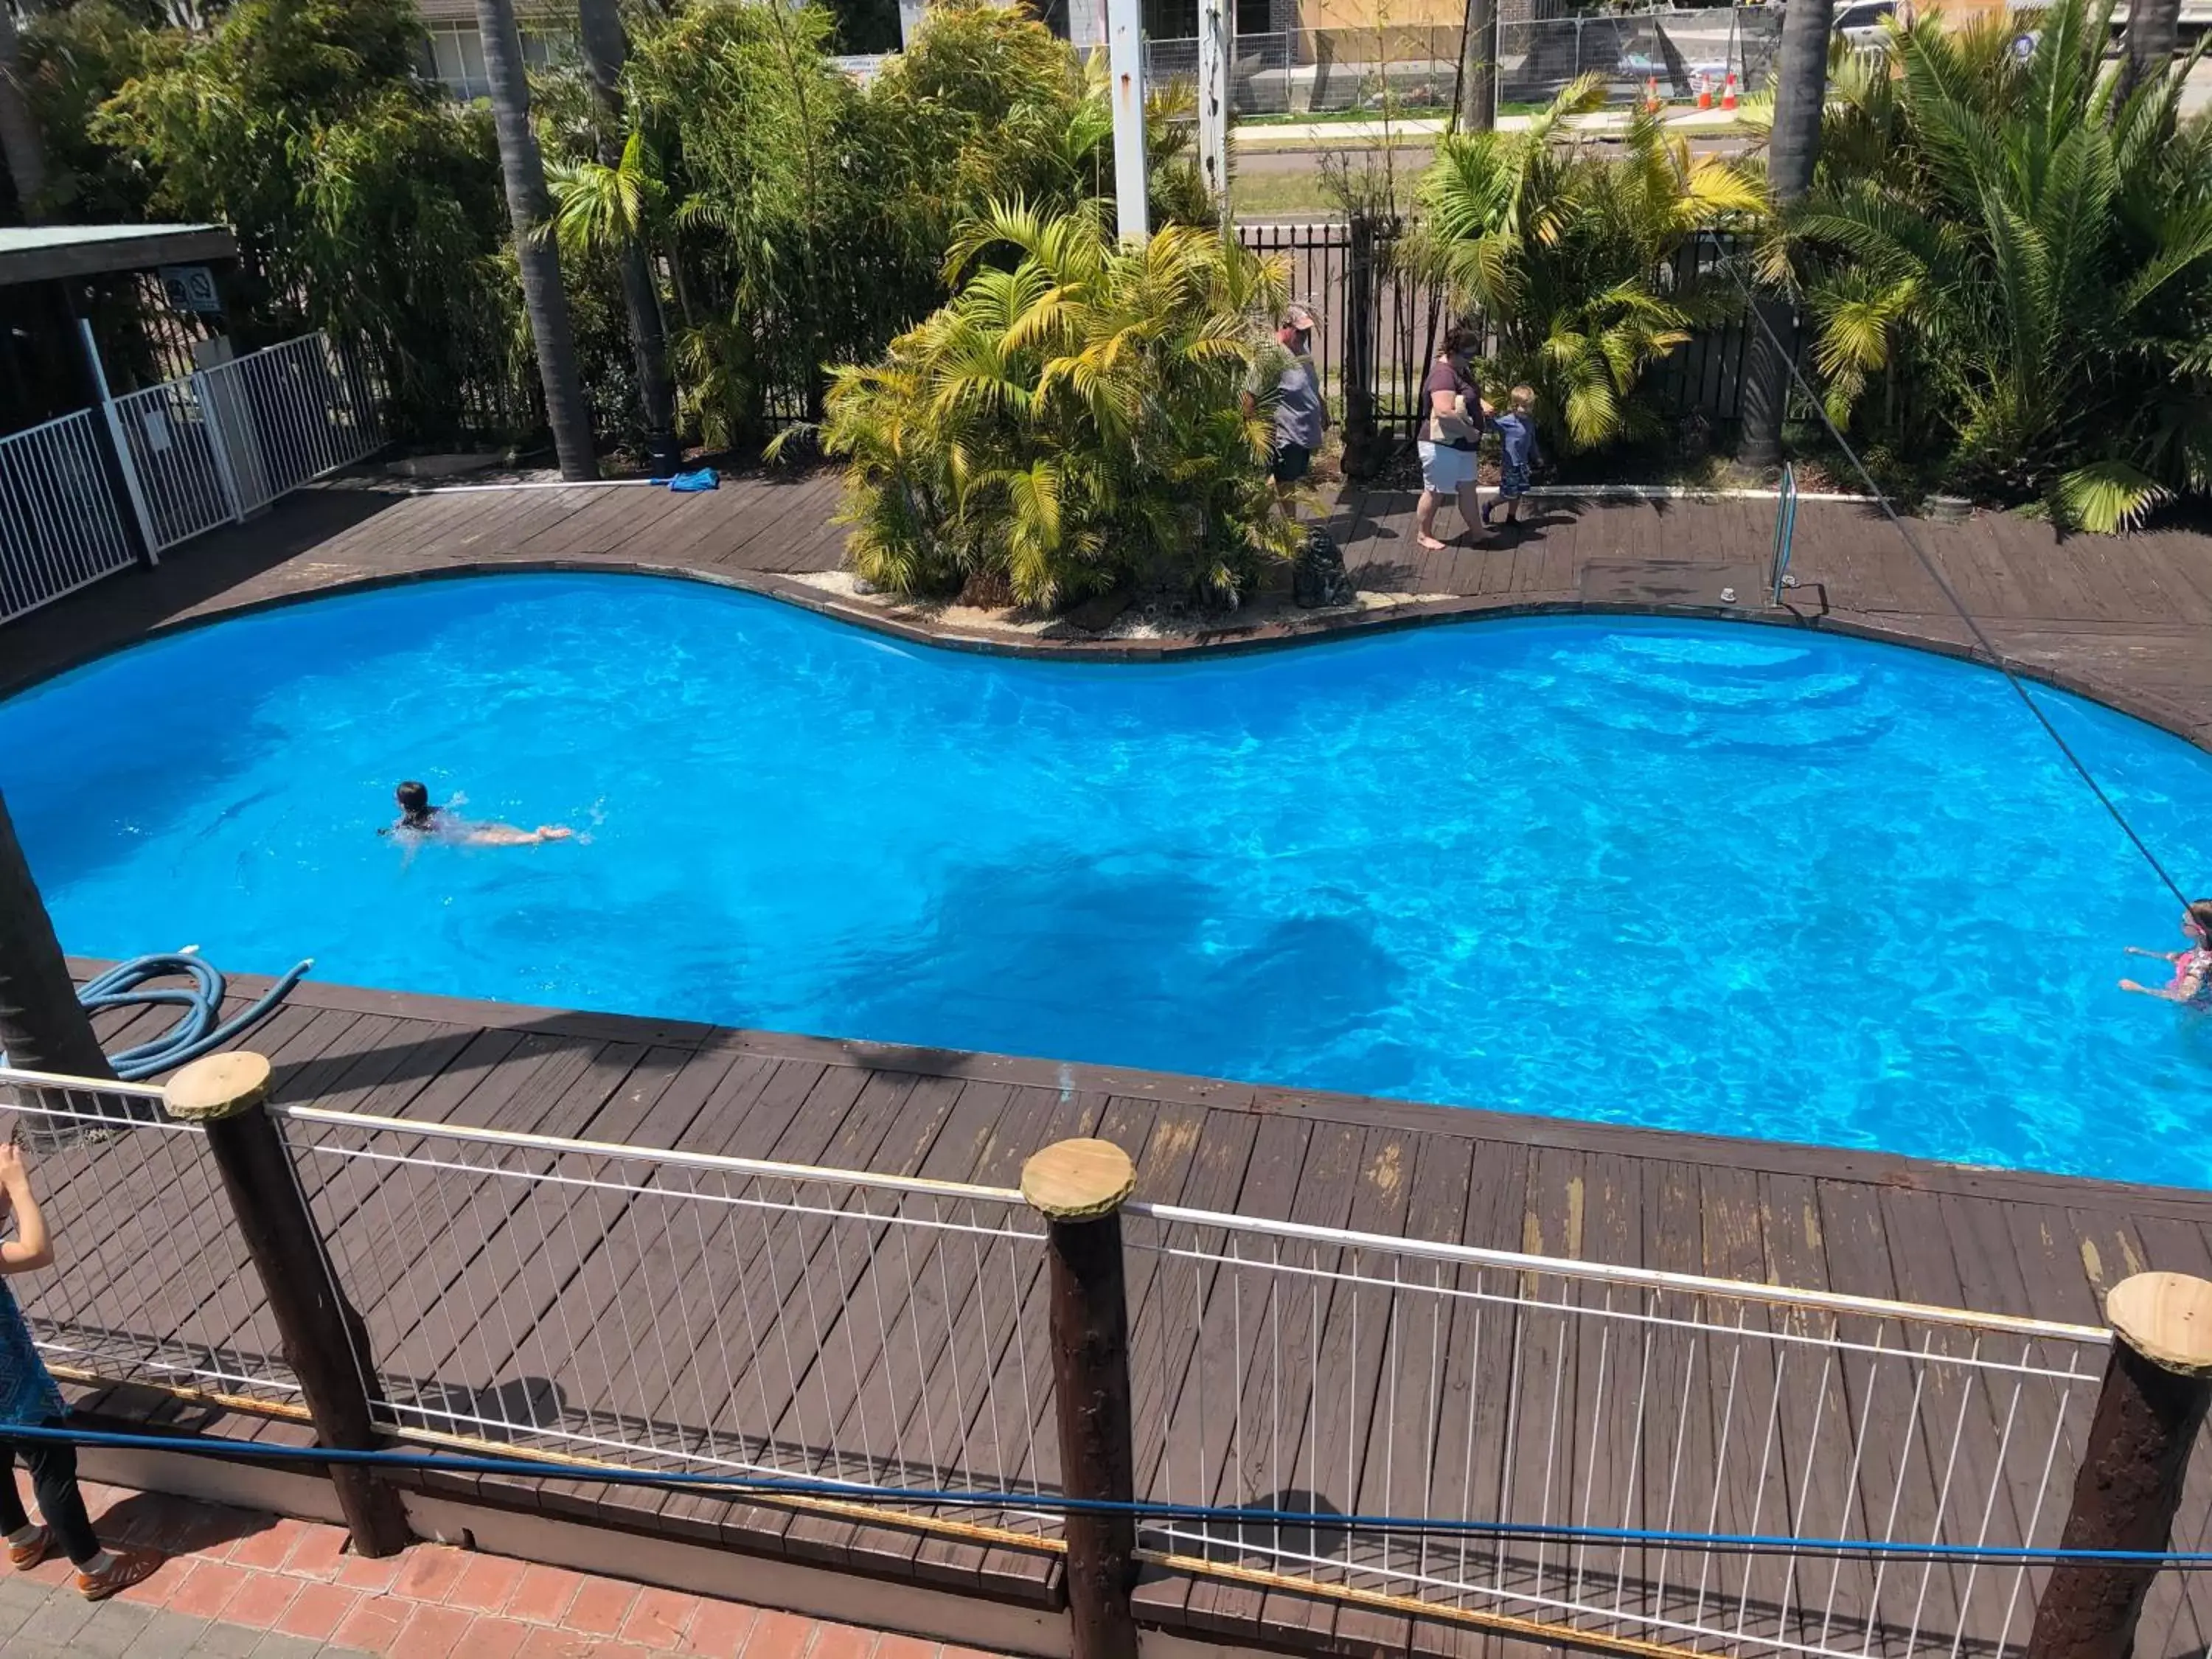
419 819
2192 983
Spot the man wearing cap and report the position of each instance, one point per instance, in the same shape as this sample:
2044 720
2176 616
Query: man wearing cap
1288 369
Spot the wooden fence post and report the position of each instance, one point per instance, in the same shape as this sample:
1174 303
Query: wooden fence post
227 1095
2156 1387
1080 1186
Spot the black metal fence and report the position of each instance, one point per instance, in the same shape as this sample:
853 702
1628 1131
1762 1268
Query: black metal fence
1377 325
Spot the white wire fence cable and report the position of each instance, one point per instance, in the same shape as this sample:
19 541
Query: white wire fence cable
151 1283
1316 1371
290 414
59 529
683 1312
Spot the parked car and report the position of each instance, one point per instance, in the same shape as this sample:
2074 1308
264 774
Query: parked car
1861 23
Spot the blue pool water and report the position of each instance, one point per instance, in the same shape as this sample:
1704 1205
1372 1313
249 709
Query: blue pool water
1696 875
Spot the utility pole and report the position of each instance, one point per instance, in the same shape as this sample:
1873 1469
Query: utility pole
1125 60
1213 101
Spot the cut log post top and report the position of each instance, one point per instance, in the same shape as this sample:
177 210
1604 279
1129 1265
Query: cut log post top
2166 1318
1079 1180
216 1086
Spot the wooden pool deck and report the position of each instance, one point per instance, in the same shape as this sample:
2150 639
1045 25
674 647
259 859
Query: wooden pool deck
2124 619
1860 1223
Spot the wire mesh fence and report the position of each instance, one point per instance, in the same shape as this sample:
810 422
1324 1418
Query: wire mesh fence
1309 1370
59 529
683 1313
1412 71
151 1282
1566 1451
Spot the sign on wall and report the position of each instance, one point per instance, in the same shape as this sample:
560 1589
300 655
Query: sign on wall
190 288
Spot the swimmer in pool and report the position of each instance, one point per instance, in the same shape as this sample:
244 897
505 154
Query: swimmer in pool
2192 983
417 817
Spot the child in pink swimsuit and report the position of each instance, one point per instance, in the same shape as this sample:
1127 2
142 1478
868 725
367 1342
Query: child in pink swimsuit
2192 983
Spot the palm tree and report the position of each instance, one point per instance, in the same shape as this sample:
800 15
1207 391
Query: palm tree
42 1026
2014 287
1800 94
18 128
605 49
1560 250
2153 26
1478 68
530 209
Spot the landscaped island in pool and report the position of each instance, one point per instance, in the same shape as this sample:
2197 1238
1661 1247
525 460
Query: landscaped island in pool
1695 876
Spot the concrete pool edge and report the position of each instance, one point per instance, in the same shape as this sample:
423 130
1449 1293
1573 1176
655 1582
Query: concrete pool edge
1808 1160
1226 641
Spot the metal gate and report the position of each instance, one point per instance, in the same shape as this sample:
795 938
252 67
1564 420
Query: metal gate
203 450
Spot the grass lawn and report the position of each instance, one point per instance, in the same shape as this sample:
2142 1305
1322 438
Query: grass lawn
1254 195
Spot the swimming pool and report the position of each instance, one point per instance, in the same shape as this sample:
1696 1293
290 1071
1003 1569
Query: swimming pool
1696 875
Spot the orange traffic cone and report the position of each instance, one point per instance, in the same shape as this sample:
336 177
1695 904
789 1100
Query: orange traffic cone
1728 92
1705 92
1651 95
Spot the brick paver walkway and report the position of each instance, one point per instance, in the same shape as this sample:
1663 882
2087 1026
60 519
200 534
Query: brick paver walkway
246 1584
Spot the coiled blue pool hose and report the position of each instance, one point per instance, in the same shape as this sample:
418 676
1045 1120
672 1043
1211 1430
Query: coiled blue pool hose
197 1032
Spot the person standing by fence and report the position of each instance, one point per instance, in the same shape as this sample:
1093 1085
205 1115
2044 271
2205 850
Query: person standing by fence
28 1399
1285 377
1451 423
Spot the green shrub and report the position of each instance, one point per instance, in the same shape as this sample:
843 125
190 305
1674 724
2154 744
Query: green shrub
1567 255
1069 422
2009 266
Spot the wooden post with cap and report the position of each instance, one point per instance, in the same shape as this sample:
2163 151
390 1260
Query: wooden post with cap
227 1095
2156 1387
1080 1187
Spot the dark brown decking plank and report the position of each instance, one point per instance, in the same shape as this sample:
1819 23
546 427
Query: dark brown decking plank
1204 1394
1820 1431
806 1104
1325 1190
844 1120
1612 1376
1009 1361
862 1410
1684 1417
1352 1352
1755 1499
1399 1455
1470 1470
1893 1481
491 1251
538 1066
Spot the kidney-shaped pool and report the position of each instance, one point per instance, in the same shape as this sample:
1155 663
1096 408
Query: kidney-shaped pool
1705 877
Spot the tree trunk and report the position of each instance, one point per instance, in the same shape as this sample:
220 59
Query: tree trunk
18 128
42 1026
2153 27
1800 97
531 209
605 49
1478 68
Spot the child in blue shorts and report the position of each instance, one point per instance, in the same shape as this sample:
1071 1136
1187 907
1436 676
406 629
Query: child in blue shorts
1516 431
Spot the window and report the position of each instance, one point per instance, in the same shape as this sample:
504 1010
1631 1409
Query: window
456 62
